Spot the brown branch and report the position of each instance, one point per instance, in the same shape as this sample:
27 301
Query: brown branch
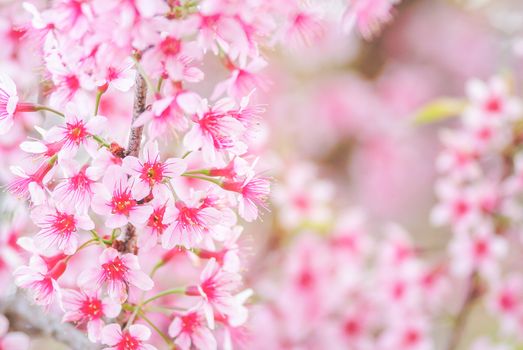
140 95
474 292
18 309
128 242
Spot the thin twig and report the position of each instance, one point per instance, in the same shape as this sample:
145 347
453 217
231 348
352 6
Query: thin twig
473 294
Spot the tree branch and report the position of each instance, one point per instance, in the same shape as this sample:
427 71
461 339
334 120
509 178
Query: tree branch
128 243
17 308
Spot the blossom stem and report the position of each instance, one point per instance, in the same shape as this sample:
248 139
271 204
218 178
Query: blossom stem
159 85
153 326
164 293
215 181
97 237
84 245
101 141
199 171
156 268
98 99
49 109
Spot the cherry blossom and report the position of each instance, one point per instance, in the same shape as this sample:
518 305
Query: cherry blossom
59 228
132 339
40 277
216 288
151 173
190 328
191 221
116 200
8 103
118 271
88 307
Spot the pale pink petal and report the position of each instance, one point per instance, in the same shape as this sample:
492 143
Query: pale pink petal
94 330
204 340
140 214
175 327
111 334
140 332
140 280
116 221
111 308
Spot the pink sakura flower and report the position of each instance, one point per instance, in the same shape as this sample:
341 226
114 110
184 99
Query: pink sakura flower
506 302
132 339
119 272
460 156
243 80
191 221
12 340
158 223
77 186
190 329
114 70
172 57
59 227
8 103
114 199
218 31
303 196
77 131
457 206
480 251
164 118
87 307
73 16
303 29
491 101
215 131
253 192
411 333
216 288
32 185
228 256
151 174
69 81
368 15
40 278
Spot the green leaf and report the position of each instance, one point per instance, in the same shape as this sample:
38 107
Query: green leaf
439 110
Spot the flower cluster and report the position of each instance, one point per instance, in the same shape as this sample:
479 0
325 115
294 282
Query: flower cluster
341 285
135 169
116 200
479 192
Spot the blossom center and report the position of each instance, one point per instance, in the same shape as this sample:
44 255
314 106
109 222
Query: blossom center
64 223
190 322
156 220
152 172
92 308
170 46
115 270
122 202
128 342
493 105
